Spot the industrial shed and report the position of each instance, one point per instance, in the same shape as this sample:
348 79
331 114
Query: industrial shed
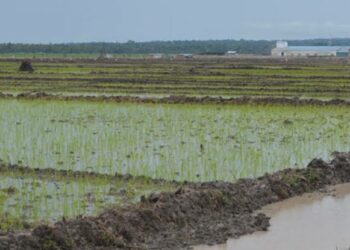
283 50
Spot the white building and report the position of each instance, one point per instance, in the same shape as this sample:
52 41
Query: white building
231 53
283 50
281 44
157 56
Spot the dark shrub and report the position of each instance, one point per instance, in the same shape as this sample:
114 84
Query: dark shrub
26 66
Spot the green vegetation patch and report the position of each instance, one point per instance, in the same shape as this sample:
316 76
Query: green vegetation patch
29 198
175 142
229 78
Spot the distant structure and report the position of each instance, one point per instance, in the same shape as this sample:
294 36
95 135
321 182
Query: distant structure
283 50
157 56
103 55
231 53
184 56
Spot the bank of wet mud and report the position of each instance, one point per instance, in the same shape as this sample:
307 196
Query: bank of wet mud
194 214
61 173
178 99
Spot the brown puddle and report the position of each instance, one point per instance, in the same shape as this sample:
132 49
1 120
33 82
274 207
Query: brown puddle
310 222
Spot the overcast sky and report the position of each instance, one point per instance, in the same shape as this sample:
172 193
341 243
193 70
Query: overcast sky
59 21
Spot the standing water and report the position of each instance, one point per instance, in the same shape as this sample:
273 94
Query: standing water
309 222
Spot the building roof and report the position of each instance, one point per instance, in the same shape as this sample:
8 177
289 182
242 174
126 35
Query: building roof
317 48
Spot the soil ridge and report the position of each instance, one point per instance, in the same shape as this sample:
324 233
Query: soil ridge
179 99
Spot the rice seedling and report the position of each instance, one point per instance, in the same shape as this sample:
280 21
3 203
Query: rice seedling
28 198
182 142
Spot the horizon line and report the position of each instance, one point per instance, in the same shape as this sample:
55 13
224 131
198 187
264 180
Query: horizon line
180 40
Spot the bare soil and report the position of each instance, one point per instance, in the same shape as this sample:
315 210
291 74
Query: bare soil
44 172
178 99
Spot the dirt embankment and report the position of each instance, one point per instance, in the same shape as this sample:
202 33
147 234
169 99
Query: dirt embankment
194 214
44 172
177 99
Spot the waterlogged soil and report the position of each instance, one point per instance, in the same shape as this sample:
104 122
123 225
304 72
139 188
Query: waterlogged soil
317 221
176 99
195 214
30 196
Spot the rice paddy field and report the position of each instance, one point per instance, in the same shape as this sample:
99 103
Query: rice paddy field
214 77
181 142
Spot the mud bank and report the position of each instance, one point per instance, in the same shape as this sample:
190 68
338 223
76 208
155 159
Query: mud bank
203 213
177 99
44 172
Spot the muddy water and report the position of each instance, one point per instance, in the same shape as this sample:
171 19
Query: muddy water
310 222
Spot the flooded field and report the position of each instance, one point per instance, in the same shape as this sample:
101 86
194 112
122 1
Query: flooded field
32 197
181 142
310 222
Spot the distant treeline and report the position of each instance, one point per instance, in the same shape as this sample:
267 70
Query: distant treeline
261 47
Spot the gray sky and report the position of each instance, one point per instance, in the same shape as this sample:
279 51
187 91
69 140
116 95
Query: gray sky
144 20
